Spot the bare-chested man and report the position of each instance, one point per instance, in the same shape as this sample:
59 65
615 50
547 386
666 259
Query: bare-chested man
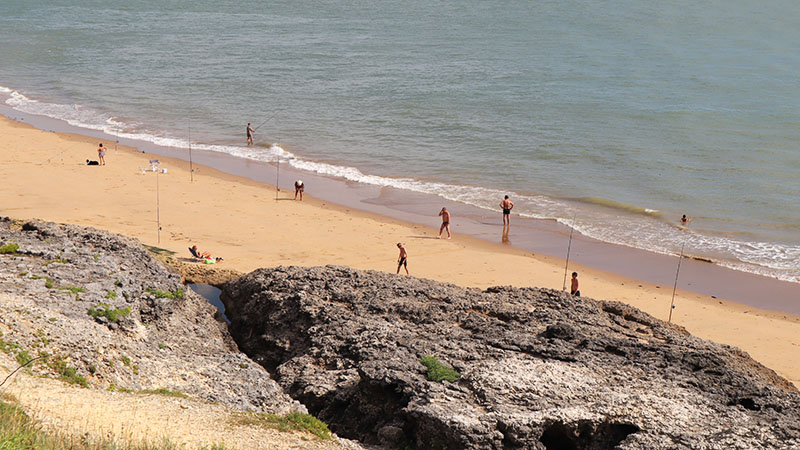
250 132
402 260
507 205
575 288
445 222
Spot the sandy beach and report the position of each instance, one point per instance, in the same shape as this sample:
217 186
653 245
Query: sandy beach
45 177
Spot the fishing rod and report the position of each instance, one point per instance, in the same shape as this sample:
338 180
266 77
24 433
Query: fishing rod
569 247
191 166
675 286
278 179
264 122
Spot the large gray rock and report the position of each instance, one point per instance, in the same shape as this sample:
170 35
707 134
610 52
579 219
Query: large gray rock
539 369
61 271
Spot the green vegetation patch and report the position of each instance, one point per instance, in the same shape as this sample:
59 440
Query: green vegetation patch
9 249
158 250
290 422
165 392
437 371
57 260
23 357
20 431
109 312
114 388
111 294
65 372
8 347
73 289
158 293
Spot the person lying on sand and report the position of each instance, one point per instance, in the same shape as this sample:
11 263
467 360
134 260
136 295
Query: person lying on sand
204 255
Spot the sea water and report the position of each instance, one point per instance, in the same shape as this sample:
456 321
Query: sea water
612 117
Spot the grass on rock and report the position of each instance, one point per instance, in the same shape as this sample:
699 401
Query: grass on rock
9 249
437 371
158 250
66 373
158 293
109 312
290 422
165 392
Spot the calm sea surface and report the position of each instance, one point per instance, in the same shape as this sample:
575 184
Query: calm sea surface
615 117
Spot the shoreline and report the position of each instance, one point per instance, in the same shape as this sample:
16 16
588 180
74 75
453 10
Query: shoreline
541 236
237 217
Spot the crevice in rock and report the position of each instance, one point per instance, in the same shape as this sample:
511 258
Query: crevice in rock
585 435
358 411
745 402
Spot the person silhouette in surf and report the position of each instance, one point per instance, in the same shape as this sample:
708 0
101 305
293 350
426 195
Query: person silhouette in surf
250 132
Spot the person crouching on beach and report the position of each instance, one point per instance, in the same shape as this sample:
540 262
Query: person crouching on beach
575 288
402 260
101 154
299 187
445 222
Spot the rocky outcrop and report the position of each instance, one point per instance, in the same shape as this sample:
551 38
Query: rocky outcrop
104 310
538 369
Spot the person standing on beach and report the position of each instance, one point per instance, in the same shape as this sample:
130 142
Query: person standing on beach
685 220
402 260
507 205
445 222
101 154
250 132
575 288
299 187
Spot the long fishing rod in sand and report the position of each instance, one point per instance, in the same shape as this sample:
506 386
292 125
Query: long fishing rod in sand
278 179
675 286
191 166
158 206
569 247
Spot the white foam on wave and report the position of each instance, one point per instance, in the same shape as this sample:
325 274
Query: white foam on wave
642 232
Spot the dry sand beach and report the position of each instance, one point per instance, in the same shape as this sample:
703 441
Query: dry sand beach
45 177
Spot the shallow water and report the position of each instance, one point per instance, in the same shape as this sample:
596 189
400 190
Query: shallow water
615 118
211 294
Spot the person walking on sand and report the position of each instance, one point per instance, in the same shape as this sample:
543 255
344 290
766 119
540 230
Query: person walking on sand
101 154
574 287
402 260
445 222
299 187
507 205
250 132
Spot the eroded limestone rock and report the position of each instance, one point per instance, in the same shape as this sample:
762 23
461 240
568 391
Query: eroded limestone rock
539 369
